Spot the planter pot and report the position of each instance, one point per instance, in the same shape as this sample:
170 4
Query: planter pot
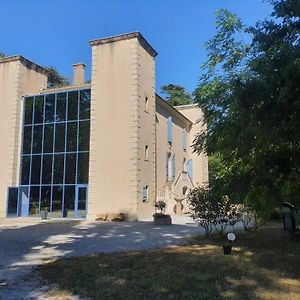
44 214
162 220
227 249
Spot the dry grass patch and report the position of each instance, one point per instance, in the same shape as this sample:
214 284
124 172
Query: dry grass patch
264 265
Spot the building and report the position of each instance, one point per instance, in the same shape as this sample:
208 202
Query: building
87 150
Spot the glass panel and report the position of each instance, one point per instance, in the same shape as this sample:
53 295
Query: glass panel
48 138
35 169
61 107
24 201
38 109
70 168
57 202
69 200
28 110
60 137
84 136
12 201
47 169
46 198
83 168
34 201
73 105
49 108
85 104
72 136
58 171
25 170
27 139
37 139
81 213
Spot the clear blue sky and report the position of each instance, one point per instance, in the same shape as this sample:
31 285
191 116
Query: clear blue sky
56 32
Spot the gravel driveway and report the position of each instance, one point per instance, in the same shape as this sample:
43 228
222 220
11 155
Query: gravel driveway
26 243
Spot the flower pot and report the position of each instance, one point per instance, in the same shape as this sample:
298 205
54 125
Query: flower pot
165 220
44 214
227 249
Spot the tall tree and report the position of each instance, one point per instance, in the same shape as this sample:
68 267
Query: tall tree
56 79
176 94
250 95
2 55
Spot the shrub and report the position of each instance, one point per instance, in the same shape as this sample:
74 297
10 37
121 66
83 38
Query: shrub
160 206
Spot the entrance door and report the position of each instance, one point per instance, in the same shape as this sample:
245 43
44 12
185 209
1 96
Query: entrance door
80 201
24 201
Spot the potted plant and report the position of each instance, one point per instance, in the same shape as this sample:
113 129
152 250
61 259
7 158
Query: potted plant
160 218
44 210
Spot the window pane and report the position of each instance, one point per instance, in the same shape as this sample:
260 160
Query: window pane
25 170
47 168
34 200
12 201
60 137
73 105
72 136
35 169
48 138
38 109
69 202
37 139
28 110
58 169
61 107
27 139
70 168
57 201
83 168
84 136
85 104
49 108
46 197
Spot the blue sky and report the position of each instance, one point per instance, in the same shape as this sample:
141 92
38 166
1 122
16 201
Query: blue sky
56 32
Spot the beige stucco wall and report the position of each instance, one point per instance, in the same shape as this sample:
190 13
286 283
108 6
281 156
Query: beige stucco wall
200 162
122 75
18 77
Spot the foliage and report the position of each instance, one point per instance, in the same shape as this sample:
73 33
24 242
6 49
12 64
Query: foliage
204 207
176 95
160 206
56 79
2 55
249 94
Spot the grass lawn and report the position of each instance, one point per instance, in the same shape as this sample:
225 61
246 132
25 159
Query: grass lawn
264 265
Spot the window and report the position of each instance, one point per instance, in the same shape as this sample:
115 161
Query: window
146 152
55 150
170 166
173 168
145 193
146 103
170 130
190 169
12 201
184 139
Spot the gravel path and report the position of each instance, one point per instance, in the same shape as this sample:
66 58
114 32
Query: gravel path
26 243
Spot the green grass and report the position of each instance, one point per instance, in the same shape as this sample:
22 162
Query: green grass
264 265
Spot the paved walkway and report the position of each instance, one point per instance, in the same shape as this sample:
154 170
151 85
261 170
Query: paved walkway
26 243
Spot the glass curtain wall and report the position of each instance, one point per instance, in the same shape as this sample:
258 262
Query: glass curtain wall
55 151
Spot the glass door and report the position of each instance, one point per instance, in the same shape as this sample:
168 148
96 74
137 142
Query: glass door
80 201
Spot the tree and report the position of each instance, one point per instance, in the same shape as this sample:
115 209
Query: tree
2 55
56 79
250 97
176 95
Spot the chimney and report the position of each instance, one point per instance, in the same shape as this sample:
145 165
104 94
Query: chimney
78 74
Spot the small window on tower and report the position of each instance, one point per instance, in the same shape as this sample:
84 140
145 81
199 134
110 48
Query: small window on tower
146 152
146 103
145 193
